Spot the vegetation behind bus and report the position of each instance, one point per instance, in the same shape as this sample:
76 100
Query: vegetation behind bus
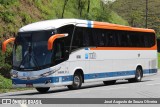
134 12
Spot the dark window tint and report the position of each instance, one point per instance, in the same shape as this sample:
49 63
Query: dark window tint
67 29
59 52
87 37
78 38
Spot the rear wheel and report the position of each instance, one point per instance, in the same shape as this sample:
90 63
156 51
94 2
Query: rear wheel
43 90
109 82
138 76
77 82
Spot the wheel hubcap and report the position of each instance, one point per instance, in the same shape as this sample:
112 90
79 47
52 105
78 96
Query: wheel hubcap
76 80
138 74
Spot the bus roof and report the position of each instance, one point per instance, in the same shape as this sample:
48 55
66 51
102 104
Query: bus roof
56 23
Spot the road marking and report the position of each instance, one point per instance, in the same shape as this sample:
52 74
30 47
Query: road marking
154 84
23 105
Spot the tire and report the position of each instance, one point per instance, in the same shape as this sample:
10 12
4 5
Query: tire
43 90
77 82
109 82
138 76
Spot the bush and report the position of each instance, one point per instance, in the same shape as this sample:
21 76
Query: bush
8 2
5 70
5 64
5 83
7 16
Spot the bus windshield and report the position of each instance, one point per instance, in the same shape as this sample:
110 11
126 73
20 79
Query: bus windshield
30 50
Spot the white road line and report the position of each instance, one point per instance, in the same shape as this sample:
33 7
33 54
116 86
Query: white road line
23 105
154 84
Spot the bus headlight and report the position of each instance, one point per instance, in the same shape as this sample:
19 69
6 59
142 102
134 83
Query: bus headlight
14 74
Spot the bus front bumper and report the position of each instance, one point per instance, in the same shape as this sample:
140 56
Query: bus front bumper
43 82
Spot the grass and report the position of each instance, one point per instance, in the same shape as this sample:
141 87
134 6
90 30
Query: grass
115 18
6 86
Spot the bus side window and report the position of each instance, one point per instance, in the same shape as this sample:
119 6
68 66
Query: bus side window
77 38
112 40
124 39
151 37
95 37
59 54
86 41
67 29
90 37
106 39
101 39
146 40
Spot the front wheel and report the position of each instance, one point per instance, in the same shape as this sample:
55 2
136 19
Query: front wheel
43 90
77 82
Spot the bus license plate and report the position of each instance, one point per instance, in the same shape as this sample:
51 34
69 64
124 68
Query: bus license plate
29 85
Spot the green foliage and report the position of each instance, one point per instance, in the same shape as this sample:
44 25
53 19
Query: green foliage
26 18
134 11
46 8
115 18
7 16
5 64
5 83
8 2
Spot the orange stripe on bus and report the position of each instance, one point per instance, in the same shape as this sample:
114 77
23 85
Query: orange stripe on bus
104 25
123 48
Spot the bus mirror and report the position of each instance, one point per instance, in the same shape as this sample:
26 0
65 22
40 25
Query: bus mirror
4 44
53 38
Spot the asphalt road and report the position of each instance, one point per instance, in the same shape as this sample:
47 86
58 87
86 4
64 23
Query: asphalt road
148 88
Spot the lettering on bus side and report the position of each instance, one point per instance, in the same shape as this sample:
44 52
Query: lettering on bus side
63 72
92 55
86 56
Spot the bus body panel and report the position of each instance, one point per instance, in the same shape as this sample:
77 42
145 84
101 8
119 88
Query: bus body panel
108 65
97 63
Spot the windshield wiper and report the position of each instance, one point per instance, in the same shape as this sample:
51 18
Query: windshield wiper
29 54
38 68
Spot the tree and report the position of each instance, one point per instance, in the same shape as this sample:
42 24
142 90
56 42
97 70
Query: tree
64 6
88 8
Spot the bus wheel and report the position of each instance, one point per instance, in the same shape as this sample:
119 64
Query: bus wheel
109 82
43 90
77 82
138 76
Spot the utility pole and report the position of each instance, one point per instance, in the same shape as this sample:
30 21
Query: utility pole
146 13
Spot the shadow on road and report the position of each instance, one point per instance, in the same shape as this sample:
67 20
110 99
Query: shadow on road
65 89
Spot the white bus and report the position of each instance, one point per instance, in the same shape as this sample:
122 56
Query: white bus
69 52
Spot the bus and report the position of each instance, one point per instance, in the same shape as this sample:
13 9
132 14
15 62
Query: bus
69 52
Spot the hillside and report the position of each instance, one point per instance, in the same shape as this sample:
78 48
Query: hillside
16 13
134 12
